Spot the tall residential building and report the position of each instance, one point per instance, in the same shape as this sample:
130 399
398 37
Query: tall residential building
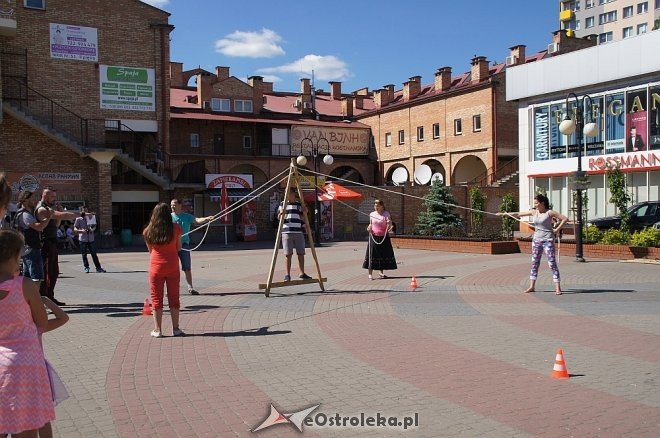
611 20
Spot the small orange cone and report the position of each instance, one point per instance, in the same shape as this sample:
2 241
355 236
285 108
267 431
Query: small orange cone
413 283
146 309
559 371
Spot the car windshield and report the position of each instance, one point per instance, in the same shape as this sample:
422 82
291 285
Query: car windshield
642 210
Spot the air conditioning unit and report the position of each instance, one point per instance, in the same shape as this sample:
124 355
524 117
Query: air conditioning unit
207 104
308 105
511 60
297 103
553 48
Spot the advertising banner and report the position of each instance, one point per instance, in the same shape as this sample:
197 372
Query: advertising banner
73 42
127 88
557 144
335 141
594 114
654 118
541 125
326 220
636 120
229 180
615 129
248 215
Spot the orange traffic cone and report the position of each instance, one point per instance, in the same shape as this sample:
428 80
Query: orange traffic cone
146 309
559 371
413 283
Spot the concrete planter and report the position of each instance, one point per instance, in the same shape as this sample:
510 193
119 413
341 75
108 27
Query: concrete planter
596 250
475 246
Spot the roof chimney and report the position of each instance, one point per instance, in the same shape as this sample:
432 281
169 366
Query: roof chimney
479 68
335 90
390 92
176 74
412 88
222 72
518 53
359 101
347 106
204 88
443 79
305 87
256 82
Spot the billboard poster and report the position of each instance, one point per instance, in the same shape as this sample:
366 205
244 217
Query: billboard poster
615 128
73 42
541 133
249 219
557 144
594 114
326 220
654 118
636 120
127 88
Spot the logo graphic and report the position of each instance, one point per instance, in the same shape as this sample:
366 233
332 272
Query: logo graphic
294 418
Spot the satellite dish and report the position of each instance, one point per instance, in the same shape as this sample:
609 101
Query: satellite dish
399 176
423 174
437 177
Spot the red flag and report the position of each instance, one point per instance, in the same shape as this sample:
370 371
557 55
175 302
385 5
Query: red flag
224 204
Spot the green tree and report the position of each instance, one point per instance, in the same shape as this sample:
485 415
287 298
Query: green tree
477 203
619 196
508 205
439 214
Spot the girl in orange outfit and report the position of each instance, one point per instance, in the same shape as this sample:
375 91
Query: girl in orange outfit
162 237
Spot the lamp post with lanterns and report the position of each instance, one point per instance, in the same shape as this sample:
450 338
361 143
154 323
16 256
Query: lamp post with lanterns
567 127
315 148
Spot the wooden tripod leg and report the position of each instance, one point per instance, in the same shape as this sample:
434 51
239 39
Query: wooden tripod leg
278 239
309 232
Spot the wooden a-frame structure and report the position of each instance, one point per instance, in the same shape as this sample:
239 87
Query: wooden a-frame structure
292 182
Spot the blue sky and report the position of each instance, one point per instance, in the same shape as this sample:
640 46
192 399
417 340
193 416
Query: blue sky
362 43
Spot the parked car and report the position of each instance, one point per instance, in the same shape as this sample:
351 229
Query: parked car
642 215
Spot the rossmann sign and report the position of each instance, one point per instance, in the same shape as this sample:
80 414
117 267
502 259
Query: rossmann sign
638 161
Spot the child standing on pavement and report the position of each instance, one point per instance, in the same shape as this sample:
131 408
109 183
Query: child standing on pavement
26 402
162 237
58 390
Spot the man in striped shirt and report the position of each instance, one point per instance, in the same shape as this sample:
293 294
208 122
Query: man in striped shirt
292 234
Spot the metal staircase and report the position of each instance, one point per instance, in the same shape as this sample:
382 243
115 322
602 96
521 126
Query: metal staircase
81 136
505 176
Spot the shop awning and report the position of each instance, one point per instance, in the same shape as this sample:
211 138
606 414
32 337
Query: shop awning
331 191
234 194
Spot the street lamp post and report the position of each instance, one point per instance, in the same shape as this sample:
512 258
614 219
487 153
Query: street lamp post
567 127
315 149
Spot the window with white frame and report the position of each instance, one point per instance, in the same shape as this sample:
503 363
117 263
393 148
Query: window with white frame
627 12
402 137
641 28
420 133
458 127
589 22
220 105
642 7
589 4
388 139
604 37
247 142
577 24
436 130
476 123
243 106
627 32
194 140
607 17
657 4
36 4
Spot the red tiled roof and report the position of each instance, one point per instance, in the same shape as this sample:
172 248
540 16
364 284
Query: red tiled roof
179 98
251 119
283 103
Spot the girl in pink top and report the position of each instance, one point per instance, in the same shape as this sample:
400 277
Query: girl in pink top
163 239
26 402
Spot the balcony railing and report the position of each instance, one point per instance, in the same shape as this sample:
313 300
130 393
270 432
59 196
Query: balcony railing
490 176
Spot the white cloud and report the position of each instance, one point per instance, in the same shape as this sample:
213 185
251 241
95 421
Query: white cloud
157 3
326 68
272 78
262 44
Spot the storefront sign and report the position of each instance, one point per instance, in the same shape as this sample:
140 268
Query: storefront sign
230 180
640 161
67 185
541 134
127 88
654 118
336 141
636 139
73 42
615 130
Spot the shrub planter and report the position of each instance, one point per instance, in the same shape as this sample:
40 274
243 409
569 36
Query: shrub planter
476 246
598 251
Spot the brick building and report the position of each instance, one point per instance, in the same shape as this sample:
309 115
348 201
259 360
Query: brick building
85 100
